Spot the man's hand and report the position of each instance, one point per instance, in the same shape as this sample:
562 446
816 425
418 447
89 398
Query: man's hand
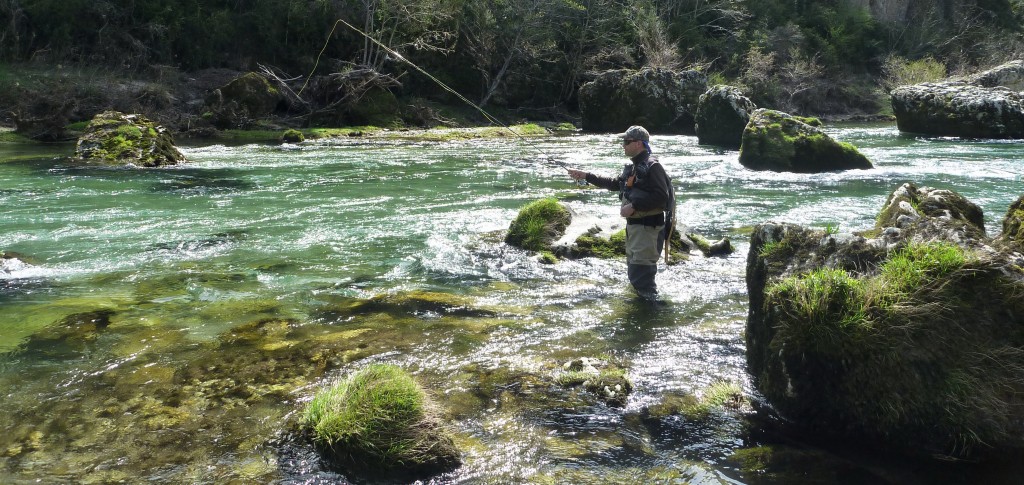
576 174
627 210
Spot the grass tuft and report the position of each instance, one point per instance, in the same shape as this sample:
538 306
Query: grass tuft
378 418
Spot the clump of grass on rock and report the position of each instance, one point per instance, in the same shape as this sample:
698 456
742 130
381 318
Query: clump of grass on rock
538 225
379 421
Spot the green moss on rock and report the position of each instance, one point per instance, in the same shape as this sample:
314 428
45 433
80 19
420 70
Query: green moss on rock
292 136
538 225
592 245
773 140
115 138
1013 225
916 354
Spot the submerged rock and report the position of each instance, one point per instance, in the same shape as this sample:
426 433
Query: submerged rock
987 105
609 103
11 261
912 339
114 138
606 381
722 113
777 141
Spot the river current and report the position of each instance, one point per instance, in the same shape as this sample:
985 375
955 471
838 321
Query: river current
167 325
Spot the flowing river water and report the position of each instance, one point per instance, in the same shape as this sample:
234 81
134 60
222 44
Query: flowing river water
167 325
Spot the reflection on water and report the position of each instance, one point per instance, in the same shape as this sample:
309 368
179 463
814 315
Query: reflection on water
172 321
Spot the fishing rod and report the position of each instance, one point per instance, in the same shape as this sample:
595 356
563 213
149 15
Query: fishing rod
542 156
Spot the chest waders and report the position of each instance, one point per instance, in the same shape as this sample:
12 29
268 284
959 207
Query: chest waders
644 233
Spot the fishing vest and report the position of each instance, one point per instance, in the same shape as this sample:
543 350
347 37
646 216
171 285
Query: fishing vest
632 174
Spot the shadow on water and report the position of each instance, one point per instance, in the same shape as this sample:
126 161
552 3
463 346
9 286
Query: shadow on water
215 240
201 182
641 321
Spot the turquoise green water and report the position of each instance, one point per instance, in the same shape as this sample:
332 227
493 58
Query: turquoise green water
211 300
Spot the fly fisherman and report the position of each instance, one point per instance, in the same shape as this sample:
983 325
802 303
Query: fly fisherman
645 192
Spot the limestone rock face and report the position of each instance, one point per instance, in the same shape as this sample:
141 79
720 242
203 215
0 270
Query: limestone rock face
722 113
774 140
928 213
114 138
986 105
1009 76
660 100
910 336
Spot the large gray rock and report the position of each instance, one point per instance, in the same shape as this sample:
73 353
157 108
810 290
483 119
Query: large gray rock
115 138
773 140
986 105
1009 76
910 336
722 113
661 100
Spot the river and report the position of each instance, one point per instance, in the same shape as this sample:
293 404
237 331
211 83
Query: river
167 325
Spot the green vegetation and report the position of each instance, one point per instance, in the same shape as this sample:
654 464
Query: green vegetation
899 71
911 344
292 136
378 418
917 264
538 225
828 304
719 395
591 245
795 56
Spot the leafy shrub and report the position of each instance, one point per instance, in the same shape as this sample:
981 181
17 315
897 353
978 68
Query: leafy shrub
898 71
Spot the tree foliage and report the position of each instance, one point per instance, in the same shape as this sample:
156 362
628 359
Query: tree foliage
521 53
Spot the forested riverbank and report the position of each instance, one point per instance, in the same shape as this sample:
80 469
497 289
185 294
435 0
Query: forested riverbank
64 62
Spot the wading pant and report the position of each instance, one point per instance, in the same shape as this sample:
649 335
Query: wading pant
643 247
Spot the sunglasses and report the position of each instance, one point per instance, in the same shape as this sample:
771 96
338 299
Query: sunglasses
627 141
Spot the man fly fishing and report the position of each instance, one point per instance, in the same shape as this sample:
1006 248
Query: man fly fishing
646 195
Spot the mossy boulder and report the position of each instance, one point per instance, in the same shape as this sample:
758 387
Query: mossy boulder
538 225
1013 226
668 98
115 138
913 339
773 140
292 136
379 423
986 105
722 114
242 102
593 245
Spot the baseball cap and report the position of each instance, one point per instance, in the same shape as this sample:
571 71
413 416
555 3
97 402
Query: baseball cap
636 132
